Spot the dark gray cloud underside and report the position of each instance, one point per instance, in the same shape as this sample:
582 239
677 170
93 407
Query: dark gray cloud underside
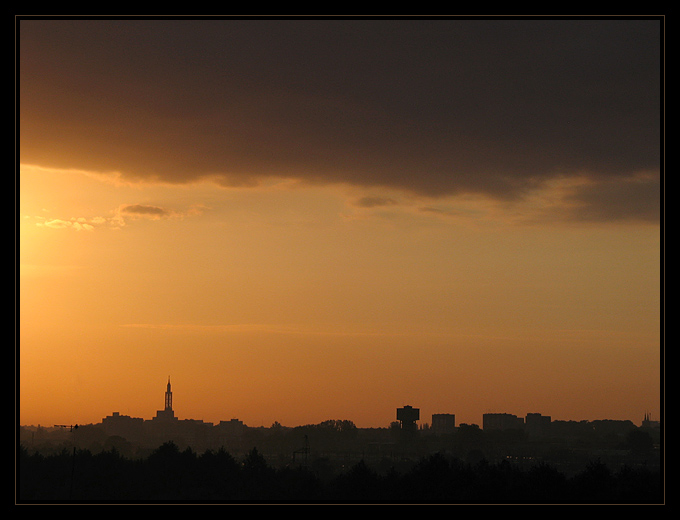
432 106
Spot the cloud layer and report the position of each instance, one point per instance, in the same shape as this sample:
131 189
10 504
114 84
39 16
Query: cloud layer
434 107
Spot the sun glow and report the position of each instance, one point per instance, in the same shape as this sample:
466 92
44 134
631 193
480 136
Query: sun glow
278 288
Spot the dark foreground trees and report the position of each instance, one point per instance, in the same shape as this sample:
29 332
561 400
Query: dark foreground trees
169 474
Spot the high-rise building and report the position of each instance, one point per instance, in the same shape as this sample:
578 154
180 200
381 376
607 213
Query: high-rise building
501 421
443 423
537 425
130 428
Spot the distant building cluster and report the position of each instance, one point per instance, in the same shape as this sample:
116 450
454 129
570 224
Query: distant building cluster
166 426
534 424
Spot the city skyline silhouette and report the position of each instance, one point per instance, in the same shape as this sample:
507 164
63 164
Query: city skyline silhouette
510 459
303 219
407 416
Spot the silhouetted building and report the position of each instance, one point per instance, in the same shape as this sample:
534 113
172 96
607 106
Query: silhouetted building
233 428
648 423
168 413
229 433
407 417
537 425
501 421
165 426
443 423
195 432
130 428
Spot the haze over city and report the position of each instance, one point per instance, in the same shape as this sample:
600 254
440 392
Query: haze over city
309 219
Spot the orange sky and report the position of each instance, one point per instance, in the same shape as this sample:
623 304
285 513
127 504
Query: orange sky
281 289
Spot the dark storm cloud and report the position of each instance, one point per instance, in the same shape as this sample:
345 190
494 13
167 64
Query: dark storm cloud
618 199
436 107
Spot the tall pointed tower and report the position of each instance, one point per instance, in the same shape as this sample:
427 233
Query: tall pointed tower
168 397
167 414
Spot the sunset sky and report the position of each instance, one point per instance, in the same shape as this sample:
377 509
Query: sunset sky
303 220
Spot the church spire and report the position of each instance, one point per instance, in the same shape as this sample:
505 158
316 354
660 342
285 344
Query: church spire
168 397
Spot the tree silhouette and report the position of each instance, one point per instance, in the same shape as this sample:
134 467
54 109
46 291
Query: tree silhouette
360 484
168 475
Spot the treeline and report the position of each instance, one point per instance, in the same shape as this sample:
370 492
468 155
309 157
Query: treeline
173 475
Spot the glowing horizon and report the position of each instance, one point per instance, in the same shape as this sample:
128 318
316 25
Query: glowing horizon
370 314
